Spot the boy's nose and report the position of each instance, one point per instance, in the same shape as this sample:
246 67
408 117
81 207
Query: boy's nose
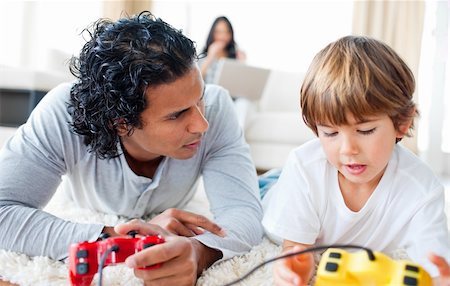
349 146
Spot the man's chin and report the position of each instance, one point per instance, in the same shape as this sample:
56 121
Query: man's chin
185 155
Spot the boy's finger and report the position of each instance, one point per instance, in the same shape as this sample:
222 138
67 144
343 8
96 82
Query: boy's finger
441 264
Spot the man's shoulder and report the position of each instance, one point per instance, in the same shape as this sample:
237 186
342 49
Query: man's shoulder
215 93
217 101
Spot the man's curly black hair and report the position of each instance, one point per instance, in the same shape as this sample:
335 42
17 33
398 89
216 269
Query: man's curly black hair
114 69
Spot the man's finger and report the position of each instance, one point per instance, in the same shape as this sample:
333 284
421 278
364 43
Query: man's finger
160 253
140 227
195 229
196 219
180 229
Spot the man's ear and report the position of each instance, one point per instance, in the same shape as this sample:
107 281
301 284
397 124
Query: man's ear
121 126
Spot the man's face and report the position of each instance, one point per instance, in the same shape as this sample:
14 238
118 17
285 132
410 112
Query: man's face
173 122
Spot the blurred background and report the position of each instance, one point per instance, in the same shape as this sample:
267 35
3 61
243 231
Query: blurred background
38 37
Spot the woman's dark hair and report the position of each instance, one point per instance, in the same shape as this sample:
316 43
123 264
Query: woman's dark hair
231 47
114 69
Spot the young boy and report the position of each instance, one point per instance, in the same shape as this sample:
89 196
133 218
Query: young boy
355 184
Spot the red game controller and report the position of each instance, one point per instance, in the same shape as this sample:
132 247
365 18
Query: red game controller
86 257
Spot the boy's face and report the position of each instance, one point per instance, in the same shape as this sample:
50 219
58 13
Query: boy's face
360 151
173 122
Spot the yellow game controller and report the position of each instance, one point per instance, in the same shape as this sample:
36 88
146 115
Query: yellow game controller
339 267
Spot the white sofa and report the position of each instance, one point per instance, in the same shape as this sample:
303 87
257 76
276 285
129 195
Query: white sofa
22 87
274 124
5 134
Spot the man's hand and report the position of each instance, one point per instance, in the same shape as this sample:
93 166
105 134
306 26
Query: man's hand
444 270
185 223
182 258
295 270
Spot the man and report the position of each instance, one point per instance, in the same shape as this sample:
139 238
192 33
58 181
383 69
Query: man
132 136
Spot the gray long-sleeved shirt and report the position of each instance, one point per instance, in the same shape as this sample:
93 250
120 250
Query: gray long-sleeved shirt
43 150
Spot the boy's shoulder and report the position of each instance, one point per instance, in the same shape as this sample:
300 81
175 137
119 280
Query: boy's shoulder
308 154
310 150
410 169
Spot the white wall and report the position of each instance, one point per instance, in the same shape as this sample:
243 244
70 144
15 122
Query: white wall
282 35
31 31
274 34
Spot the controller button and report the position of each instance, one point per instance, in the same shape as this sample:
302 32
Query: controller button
331 267
335 255
412 268
132 233
82 253
103 236
147 245
410 281
82 268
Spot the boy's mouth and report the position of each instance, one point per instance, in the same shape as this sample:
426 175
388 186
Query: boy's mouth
355 169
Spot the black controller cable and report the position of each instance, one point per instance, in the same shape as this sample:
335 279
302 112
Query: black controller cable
113 248
311 249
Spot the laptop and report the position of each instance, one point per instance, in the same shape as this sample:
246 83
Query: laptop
240 79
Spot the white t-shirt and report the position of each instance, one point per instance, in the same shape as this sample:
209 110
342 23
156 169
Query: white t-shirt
405 211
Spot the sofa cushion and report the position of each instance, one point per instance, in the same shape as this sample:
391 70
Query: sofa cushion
278 127
282 92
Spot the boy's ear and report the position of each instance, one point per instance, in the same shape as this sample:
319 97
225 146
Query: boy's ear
403 128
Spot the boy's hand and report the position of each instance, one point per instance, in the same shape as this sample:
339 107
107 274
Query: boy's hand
444 270
295 270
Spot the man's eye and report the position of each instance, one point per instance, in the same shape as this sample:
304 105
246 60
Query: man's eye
174 116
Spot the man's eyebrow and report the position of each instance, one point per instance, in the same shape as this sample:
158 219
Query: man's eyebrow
177 112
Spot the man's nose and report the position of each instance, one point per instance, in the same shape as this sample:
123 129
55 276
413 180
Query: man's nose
198 122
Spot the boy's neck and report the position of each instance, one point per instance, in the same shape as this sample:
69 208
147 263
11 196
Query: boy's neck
356 195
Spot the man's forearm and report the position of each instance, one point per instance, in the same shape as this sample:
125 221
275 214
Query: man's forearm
205 256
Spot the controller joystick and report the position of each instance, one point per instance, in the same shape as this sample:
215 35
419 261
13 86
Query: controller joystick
132 233
86 257
338 267
104 236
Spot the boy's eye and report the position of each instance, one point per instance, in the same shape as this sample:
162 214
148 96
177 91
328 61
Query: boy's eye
329 134
367 132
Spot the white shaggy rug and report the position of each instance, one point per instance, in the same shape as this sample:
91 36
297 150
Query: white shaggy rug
24 270
40 271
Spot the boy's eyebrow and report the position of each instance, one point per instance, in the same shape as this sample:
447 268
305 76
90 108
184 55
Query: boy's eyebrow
324 125
362 121
366 121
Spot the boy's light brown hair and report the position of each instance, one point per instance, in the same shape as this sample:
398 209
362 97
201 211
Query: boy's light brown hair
359 75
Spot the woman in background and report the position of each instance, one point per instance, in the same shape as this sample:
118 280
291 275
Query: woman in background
220 44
